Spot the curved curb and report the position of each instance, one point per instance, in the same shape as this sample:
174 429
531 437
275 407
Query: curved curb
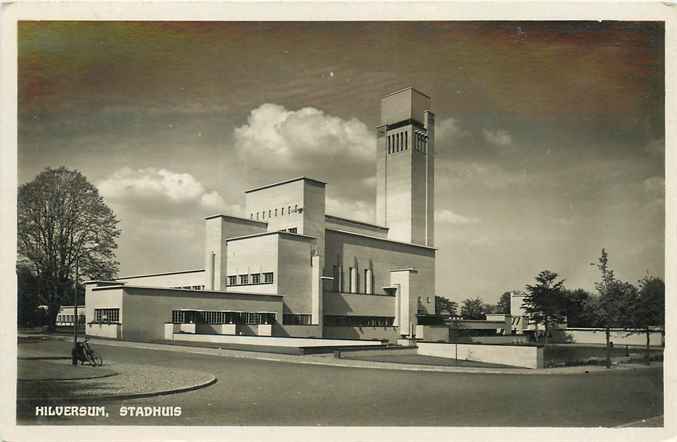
111 397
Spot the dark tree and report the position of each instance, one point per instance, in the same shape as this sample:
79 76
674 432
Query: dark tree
64 228
503 305
489 308
581 308
545 302
28 301
617 304
472 309
445 306
650 309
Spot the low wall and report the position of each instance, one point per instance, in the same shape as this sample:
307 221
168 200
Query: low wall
432 333
618 337
297 331
113 331
514 355
270 341
501 339
392 334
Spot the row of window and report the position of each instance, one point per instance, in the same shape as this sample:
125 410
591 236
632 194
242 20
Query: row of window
358 321
420 141
107 315
190 287
400 141
352 283
427 300
397 142
253 279
300 319
273 212
69 318
218 318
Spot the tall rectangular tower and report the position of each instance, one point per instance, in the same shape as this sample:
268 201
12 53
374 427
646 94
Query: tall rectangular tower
405 167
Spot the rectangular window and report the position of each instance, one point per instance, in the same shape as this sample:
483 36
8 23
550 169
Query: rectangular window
368 289
358 321
275 212
297 319
256 278
296 208
221 317
269 213
106 315
244 279
427 300
288 210
293 230
268 278
232 280
283 211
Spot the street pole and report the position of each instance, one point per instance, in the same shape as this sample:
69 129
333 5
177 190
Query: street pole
75 306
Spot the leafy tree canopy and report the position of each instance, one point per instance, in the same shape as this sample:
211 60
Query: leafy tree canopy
63 222
503 305
545 301
472 309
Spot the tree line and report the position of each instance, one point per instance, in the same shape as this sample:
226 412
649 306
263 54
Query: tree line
615 302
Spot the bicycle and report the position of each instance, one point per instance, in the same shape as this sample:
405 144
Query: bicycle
84 353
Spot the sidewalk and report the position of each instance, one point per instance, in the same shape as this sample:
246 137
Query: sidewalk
43 377
330 360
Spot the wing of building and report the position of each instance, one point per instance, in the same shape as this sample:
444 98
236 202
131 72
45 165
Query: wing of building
291 269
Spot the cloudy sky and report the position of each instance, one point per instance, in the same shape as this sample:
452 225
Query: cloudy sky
550 136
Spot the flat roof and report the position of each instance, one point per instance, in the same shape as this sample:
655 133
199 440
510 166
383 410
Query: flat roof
326 215
406 89
211 292
279 183
158 274
382 239
237 218
275 232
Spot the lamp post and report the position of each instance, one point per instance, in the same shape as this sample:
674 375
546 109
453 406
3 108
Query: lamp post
75 311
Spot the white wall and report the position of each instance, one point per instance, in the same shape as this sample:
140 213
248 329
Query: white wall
432 332
175 279
271 341
618 337
258 254
104 330
514 355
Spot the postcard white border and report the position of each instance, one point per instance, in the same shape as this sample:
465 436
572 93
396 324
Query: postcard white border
311 11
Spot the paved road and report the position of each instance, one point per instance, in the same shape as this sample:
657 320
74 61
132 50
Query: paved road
250 392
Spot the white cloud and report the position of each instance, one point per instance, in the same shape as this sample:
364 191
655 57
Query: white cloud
157 188
448 129
447 216
497 137
303 140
